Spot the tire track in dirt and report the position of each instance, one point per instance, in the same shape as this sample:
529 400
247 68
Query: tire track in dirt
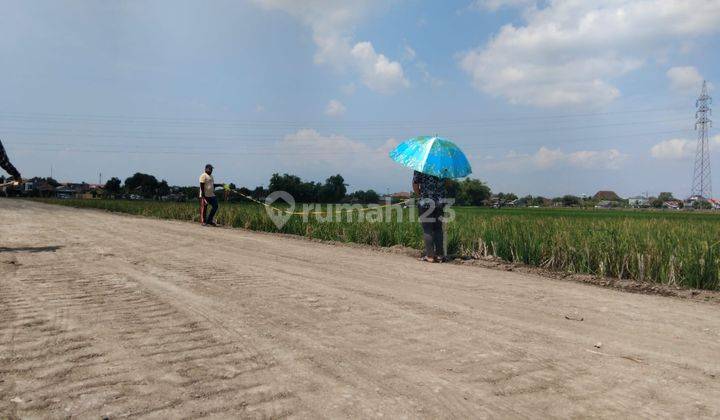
57 367
140 319
524 374
123 319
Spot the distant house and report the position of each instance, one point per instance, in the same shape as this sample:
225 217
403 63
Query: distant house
173 197
606 204
606 195
65 191
672 204
715 203
37 188
79 190
398 196
497 202
639 201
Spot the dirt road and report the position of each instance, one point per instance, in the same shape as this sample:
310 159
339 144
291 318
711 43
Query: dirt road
113 315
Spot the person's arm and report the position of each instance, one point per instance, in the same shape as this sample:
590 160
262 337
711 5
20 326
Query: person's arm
5 164
416 183
202 187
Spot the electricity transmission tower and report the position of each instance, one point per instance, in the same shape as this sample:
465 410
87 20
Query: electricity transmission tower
702 184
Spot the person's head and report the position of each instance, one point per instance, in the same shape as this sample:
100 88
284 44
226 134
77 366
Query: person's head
208 169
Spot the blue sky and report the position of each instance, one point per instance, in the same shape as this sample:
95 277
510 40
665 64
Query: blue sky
546 97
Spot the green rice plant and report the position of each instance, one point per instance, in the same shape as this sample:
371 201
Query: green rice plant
676 248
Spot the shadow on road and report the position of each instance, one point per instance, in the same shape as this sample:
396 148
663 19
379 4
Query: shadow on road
31 249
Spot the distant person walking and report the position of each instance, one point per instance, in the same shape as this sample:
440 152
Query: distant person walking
431 192
7 166
207 196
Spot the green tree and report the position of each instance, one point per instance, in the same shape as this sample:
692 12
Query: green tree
163 188
665 196
333 190
473 192
452 188
142 184
190 193
364 197
702 205
661 199
259 193
506 197
113 186
291 184
539 201
571 200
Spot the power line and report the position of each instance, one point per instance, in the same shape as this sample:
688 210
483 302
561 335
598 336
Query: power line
175 136
205 150
184 120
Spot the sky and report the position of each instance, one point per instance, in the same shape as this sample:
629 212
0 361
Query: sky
546 97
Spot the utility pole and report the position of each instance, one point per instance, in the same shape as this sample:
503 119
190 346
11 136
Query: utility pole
702 183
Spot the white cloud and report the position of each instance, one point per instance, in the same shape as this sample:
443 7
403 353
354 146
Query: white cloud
546 158
427 77
570 51
673 149
310 140
409 53
315 155
331 22
685 79
334 152
388 146
494 5
335 108
377 72
348 89
678 149
422 68
597 159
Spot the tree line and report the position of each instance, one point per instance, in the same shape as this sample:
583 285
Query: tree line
471 192
467 192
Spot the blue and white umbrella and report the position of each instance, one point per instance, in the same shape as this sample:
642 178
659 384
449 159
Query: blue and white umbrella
432 155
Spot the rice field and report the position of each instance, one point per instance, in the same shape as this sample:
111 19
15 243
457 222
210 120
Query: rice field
674 248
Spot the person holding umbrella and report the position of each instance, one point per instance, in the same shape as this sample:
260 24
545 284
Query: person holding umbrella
435 160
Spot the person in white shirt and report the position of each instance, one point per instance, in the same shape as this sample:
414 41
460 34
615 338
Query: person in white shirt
207 196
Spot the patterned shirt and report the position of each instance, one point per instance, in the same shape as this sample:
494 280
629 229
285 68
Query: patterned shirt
431 187
5 164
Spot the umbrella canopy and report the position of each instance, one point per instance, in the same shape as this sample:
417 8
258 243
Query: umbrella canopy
432 155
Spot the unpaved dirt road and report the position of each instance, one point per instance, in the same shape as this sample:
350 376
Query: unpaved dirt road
111 315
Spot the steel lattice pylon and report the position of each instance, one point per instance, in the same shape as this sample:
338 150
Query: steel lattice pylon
702 183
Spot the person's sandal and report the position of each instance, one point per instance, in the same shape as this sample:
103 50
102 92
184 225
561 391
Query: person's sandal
427 259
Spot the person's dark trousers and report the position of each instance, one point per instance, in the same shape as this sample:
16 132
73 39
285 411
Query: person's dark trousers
432 231
212 202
